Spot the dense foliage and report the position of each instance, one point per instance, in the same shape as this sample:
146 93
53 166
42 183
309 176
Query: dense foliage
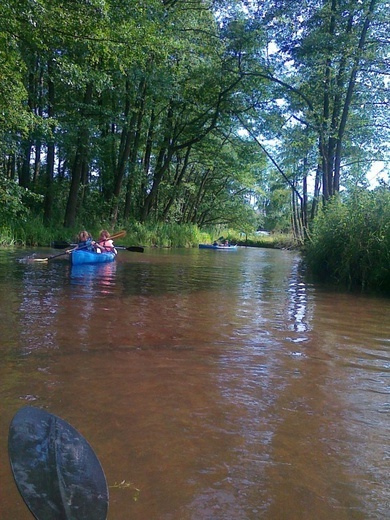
351 240
119 111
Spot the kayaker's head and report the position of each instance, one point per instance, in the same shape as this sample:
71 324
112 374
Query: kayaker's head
84 236
104 234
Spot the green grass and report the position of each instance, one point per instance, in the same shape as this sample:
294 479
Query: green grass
34 233
272 241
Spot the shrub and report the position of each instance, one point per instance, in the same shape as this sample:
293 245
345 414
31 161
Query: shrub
350 241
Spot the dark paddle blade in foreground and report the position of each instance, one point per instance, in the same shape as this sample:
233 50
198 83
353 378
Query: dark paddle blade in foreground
55 469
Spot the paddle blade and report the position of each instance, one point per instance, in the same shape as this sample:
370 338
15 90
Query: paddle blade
135 249
61 244
55 469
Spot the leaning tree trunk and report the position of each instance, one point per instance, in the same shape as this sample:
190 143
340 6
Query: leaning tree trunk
334 125
350 91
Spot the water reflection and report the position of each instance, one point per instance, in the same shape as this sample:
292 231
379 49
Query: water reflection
298 308
96 278
38 308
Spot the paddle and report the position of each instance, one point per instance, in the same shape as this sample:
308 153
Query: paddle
115 235
57 255
134 249
55 469
62 245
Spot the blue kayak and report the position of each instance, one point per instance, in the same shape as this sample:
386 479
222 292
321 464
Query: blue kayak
218 247
80 256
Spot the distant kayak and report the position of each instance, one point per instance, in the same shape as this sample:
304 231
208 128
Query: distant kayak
80 256
218 247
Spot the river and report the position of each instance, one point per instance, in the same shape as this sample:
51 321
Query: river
211 385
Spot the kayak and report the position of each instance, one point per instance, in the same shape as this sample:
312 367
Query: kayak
218 247
80 256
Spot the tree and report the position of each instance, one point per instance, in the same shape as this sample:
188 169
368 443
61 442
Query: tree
119 118
311 90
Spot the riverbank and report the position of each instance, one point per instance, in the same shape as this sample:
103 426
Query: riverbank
35 234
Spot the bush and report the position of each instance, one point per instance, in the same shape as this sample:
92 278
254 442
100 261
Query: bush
164 235
350 241
15 201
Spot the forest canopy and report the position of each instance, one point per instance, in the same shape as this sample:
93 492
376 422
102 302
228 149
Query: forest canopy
200 112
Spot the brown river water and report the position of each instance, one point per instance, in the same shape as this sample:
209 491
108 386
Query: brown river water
211 385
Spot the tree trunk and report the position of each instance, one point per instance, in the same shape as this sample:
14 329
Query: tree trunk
323 148
38 143
350 91
192 213
129 144
24 172
48 202
135 148
317 194
147 160
79 160
333 128
304 198
178 180
162 164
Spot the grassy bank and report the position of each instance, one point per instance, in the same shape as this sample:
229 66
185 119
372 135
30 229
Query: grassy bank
34 234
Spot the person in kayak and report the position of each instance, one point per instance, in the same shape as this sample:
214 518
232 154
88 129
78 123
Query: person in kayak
104 243
84 241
